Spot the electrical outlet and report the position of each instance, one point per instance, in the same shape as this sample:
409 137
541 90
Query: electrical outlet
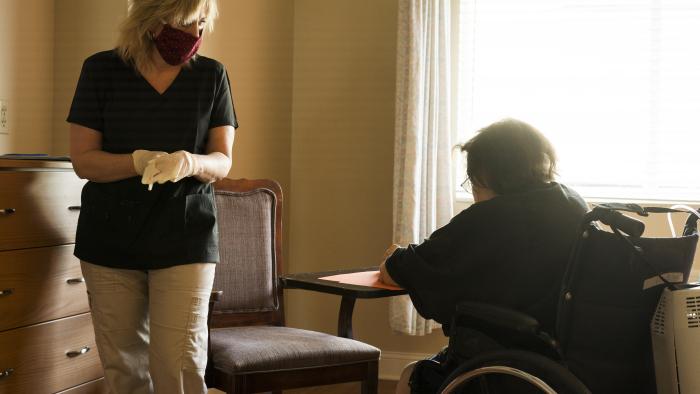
4 121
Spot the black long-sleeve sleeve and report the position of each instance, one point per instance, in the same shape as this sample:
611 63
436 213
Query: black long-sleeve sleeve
509 251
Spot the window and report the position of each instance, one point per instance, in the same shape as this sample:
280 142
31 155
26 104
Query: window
614 84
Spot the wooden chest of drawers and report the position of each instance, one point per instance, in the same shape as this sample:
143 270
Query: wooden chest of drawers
47 342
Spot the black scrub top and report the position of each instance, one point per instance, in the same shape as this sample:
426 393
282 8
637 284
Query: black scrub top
510 251
122 224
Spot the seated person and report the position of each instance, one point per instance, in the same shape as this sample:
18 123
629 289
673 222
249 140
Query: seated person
509 248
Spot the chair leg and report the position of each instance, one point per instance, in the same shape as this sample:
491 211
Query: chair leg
371 383
236 384
209 376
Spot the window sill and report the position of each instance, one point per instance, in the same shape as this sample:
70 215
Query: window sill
642 202
464 199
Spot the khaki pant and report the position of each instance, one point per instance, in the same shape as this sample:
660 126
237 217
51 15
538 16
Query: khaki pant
151 326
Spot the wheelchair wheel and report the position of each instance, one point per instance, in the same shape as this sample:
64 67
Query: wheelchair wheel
512 371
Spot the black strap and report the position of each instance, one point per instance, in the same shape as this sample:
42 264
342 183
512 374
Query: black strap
639 252
639 210
691 225
690 228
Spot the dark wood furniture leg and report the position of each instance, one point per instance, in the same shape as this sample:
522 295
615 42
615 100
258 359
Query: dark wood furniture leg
347 304
371 384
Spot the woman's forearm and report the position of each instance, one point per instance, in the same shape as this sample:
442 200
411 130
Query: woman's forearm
102 167
212 167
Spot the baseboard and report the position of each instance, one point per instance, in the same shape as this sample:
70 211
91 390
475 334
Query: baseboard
392 363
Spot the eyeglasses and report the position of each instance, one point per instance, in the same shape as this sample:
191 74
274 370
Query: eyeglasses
467 185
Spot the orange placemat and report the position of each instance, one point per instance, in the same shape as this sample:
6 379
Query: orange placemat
364 278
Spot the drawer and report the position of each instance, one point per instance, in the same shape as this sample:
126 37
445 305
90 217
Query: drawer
95 387
38 285
39 356
38 208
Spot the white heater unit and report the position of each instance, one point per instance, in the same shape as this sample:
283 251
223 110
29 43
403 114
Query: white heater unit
675 337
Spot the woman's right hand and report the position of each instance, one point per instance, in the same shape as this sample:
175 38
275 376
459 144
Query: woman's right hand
389 251
383 273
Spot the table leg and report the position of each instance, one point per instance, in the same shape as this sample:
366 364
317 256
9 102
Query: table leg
345 317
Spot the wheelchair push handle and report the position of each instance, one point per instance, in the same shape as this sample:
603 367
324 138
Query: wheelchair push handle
691 225
615 219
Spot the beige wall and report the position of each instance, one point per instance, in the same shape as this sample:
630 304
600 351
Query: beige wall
46 42
82 27
342 157
26 64
254 40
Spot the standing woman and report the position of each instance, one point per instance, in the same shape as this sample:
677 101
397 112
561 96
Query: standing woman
151 105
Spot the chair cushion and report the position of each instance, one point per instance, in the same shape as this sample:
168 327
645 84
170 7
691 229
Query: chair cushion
264 348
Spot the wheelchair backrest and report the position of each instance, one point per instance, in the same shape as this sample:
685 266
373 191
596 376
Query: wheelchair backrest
608 297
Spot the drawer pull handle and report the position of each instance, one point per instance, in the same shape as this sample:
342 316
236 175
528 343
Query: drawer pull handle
5 292
7 211
74 208
6 373
75 281
77 353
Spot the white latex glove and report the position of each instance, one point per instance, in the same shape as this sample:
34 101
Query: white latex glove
172 167
141 158
149 174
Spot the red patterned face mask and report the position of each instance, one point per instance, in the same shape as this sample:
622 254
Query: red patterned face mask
176 46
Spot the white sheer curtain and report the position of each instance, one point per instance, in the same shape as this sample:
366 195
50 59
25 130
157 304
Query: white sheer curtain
423 182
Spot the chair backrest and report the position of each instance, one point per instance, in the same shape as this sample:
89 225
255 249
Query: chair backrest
607 303
249 216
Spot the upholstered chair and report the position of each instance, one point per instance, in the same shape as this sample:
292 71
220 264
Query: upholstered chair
250 349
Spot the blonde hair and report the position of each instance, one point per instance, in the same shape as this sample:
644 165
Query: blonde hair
135 43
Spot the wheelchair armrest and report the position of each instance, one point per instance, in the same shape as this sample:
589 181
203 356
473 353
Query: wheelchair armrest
506 326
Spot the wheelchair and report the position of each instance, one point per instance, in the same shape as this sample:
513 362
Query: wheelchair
601 341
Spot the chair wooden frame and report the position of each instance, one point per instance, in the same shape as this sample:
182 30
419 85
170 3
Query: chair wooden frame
275 381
